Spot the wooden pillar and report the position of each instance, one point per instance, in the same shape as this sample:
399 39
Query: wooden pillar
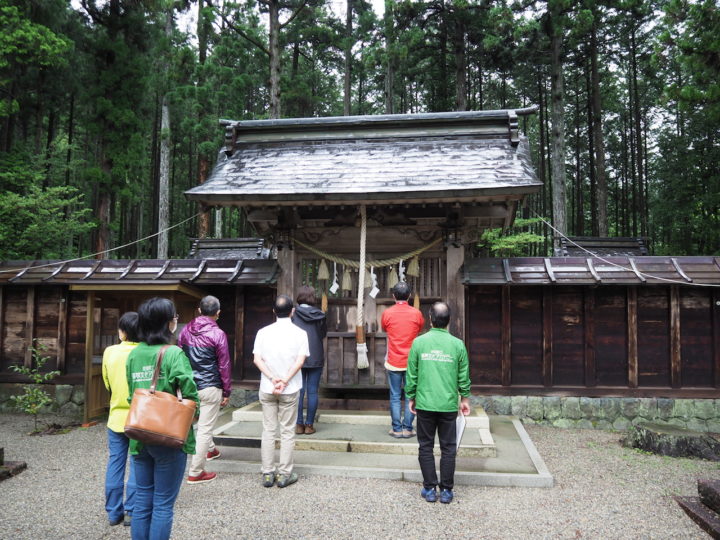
456 291
2 321
62 329
29 325
505 358
547 367
286 283
89 341
239 352
589 338
675 356
632 323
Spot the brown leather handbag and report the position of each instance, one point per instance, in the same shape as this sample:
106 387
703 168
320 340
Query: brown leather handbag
159 417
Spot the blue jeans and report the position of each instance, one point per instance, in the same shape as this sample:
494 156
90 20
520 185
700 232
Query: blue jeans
311 383
396 381
159 472
115 477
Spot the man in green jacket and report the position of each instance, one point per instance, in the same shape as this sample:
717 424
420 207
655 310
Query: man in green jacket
437 372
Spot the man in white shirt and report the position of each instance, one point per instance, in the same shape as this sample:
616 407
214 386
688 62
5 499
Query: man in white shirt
279 353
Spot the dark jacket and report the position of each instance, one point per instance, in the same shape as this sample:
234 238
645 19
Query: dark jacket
205 344
313 321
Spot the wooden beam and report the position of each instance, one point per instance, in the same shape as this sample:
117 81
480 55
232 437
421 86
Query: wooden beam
506 337
288 268
715 321
589 326
239 352
549 270
89 340
184 288
547 367
62 329
632 323
675 353
29 325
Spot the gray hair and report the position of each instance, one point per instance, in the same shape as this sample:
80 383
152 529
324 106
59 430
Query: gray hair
209 306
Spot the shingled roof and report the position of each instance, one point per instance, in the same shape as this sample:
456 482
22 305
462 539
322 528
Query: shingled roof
422 158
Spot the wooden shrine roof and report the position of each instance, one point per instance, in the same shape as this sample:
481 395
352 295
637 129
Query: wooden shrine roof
141 272
592 271
228 248
473 156
605 247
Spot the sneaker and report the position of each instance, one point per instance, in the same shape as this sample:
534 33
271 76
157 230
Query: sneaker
117 521
446 496
128 520
408 433
430 495
202 478
286 480
213 455
268 479
299 429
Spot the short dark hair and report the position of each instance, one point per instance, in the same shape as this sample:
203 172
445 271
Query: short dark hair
440 315
128 323
283 306
401 290
153 318
209 306
306 295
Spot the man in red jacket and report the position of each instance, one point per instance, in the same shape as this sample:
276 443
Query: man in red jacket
402 323
205 344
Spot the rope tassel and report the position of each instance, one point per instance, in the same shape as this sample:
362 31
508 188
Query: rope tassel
323 272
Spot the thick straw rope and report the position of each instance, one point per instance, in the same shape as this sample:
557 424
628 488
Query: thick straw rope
377 264
362 359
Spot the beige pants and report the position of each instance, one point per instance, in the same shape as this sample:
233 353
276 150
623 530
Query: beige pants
210 399
278 410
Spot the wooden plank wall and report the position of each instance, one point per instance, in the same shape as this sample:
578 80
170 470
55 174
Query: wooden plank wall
605 340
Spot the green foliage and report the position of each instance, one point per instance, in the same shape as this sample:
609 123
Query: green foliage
513 242
34 398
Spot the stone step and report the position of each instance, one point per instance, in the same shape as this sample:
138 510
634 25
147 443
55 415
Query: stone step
709 490
351 431
708 520
252 412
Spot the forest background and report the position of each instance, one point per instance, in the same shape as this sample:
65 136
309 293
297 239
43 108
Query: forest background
109 108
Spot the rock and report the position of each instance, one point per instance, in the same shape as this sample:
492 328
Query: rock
647 408
713 426
672 441
71 410
589 407
503 405
704 408
621 424
63 393
706 519
608 408
78 395
534 408
518 406
2 456
709 491
552 408
564 423
696 424
683 408
630 407
602 424
584 423
664 408
571 408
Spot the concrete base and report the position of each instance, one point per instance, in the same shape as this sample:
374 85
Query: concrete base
516 461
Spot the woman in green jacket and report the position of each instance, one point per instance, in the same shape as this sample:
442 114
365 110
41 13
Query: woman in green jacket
159 470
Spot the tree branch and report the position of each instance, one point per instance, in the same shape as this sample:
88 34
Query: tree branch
238 30
295 14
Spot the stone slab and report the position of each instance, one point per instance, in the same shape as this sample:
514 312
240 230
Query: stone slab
517 464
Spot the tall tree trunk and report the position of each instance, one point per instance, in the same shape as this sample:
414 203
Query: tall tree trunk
460 64
579 205
203 29
102 235
348 57
165 139
557 139
390 58
274 14
71 135
601 197
637 113
591 153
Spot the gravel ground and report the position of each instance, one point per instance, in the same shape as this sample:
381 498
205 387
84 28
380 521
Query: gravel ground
601 491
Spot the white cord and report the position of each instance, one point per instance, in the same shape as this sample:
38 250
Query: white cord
100 252
632 271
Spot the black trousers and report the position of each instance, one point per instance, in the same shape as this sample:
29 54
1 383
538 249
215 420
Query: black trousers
429 422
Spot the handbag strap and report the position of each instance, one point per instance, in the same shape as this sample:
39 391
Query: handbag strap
156 373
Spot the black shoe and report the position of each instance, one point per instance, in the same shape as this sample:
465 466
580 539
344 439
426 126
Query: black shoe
117 521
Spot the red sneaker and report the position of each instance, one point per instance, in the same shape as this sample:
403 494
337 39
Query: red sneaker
202 478
213 455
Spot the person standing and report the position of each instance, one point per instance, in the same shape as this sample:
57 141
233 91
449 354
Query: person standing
159 470
438 372
205 344
279 353
113 372
313 321
402 323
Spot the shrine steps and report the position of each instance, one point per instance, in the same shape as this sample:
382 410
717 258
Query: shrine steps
357 444
705 509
